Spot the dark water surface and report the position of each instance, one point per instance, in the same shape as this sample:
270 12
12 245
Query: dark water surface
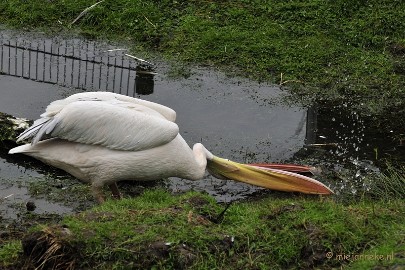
233 117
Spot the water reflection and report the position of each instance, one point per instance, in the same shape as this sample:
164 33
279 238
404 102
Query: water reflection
144 82
77 63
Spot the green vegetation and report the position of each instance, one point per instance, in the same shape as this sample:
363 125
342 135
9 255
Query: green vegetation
158 230
388 185
327 49
9 253
9 128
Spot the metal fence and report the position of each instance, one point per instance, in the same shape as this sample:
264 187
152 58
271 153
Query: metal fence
75 63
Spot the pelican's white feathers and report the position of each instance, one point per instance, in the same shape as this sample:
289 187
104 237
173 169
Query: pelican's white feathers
113 123
57 105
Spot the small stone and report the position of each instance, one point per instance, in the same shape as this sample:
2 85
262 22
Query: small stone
4 234
30 206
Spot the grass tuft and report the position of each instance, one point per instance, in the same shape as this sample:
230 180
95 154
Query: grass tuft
9 252
387 186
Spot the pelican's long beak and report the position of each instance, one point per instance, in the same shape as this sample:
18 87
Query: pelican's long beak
265 177
286 167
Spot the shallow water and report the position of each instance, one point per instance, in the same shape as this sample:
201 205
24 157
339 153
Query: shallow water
233 117
221 112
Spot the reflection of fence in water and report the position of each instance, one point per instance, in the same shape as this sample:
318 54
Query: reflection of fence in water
74 63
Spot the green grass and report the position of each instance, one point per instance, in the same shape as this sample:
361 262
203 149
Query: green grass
333 49
9 253
389 185
389 253
159 230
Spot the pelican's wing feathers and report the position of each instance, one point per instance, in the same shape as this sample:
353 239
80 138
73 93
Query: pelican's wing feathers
56 106
114 124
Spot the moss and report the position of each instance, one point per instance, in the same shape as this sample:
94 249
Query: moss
9 252
7 131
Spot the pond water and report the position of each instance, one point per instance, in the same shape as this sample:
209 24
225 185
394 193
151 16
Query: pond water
233 117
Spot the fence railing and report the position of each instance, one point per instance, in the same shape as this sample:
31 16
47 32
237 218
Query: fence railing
75 63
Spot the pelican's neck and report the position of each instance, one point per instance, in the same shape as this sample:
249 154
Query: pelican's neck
201 155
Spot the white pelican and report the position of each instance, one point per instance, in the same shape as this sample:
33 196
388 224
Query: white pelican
102 137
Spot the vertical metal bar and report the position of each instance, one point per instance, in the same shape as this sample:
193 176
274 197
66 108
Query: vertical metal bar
9 57
78 75
36 63
108 71
86 66
15 58
80 64
29 60
92 69
129 74
64 64
122 70
134 83
44 68
73 64
99 77
22 66
2 56
50 62
114 70
57 64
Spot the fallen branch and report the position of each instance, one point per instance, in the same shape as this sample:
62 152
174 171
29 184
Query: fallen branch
116 50
85 11
149 21
8 196
138 59
288 81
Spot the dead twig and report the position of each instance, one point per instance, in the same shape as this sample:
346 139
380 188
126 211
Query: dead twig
146 18
288 81
116 50
85 11
8 196
138 59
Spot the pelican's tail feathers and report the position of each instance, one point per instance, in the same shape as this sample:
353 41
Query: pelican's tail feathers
39 130
33 130
20 149
266 177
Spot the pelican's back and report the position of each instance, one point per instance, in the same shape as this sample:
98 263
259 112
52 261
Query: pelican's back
56 106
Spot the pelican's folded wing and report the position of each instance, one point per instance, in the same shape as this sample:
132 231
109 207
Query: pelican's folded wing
56 106
113 124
